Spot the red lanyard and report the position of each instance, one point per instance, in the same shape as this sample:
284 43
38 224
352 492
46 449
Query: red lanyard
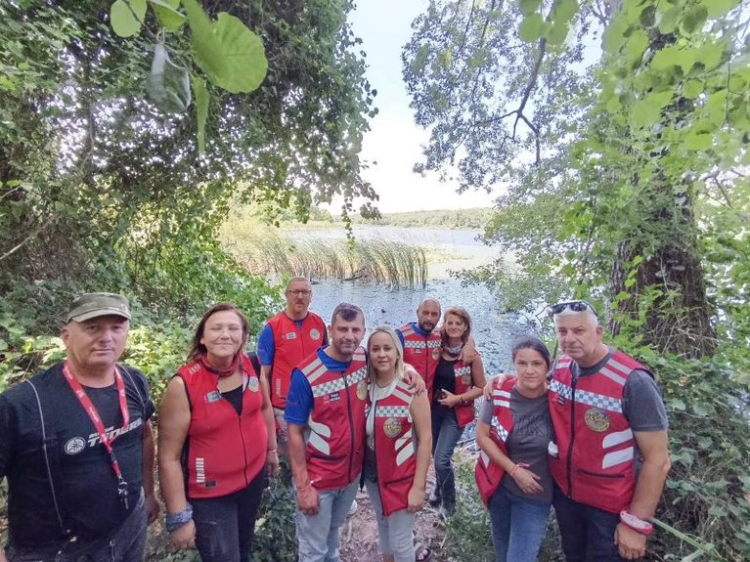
88 406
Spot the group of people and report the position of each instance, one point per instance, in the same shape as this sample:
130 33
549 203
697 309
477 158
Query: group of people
78 451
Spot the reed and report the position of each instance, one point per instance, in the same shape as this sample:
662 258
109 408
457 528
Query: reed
264 250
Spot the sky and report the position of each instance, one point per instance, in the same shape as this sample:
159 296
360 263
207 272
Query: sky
395 141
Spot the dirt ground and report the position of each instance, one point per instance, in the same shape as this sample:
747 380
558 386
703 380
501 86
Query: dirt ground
359 536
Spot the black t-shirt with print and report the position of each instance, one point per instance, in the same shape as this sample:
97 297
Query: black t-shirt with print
84 480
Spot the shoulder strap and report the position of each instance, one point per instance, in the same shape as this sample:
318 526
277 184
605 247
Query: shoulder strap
51 457
254 360
135 386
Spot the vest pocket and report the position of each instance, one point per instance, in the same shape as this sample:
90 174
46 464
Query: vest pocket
600 475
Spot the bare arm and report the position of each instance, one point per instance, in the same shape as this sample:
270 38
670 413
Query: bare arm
654 447
477 377
307 496
266 371
174 422
149 457
526 480
272 461
420 413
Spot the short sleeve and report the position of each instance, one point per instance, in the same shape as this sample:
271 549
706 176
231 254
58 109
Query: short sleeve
643 404
299 401
141 384
486 411
266 346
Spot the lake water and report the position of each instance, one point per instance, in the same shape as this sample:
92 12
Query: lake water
494 332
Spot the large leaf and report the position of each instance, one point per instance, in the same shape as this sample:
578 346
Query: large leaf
528 7
244 56
123 18
717 8
206 46
168 83
532 28
166 11
201 108
644 113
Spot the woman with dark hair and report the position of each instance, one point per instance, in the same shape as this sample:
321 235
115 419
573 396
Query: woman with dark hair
216 439
513 433
457 384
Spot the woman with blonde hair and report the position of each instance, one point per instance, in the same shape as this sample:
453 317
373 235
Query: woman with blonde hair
396 460
457 384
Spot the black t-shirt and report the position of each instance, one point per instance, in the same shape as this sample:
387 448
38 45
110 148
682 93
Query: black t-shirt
445 379
85 483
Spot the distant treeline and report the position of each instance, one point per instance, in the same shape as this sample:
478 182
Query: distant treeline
459 218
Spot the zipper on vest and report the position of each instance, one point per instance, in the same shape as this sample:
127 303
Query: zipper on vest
375 450
573 384
244 450
351 423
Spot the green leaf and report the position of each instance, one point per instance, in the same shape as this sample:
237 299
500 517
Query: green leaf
661 99
717 8
670 20
710 55
139 8
699 141
166 11
694 19
558 33
636 45
564 11
644 113
206 46
243 53
677 404
528 7
168 84
532 27
201 107
123 20
614 35
692 89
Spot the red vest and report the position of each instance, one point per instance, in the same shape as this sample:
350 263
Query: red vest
293 345
335 445
395 448
422 353
224 451
594 463
465 413
488 474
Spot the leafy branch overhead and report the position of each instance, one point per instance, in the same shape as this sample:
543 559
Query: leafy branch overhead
228 53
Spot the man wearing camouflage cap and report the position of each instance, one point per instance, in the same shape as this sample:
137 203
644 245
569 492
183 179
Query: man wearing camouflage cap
77 447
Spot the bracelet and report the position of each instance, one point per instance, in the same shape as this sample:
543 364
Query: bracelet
304 488
636 523
179 519
269 451
512 472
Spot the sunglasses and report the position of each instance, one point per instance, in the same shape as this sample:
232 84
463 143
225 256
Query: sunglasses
575 306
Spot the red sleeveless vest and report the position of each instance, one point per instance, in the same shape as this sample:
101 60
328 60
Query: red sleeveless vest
395 448
488 474
224 451
465 413
594 462
335 445
293 345
422 353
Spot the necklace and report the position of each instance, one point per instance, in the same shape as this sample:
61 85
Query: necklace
454 351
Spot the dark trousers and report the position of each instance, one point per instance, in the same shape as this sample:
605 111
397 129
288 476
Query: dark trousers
225 526
127 543
445 436
588 533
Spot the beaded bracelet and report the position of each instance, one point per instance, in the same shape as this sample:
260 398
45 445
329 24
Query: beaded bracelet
179 519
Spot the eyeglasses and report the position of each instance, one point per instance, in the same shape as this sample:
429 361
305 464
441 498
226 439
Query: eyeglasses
300 293
575 306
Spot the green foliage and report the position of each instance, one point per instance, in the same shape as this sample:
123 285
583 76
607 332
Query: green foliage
453 219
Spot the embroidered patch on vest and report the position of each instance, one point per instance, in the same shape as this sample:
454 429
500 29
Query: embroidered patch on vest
597 420
362 390
392 428
436 354
213 396
253 384
333 397
291 335
314 334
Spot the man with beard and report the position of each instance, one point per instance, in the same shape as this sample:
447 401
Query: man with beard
422 342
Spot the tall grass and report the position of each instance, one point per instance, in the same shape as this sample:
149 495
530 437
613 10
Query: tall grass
264 250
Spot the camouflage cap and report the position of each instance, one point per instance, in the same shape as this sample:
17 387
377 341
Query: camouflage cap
93 305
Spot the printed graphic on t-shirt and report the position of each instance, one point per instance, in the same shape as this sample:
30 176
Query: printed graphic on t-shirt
75 445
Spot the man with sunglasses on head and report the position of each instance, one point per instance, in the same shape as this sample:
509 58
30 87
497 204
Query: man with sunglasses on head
610 459
287 339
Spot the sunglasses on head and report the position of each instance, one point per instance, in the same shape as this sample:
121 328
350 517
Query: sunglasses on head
575 306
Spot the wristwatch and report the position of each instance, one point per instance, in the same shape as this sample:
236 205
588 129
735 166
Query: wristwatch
636 523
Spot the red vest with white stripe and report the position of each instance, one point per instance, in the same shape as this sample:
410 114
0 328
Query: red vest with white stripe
488 474
595 462
335 444
225 452
292 344
395 448
465 413
422 353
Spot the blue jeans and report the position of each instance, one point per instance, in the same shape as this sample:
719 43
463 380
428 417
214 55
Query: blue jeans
445 436
225 526
318 535
395 532
518 526
126 543
587 533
